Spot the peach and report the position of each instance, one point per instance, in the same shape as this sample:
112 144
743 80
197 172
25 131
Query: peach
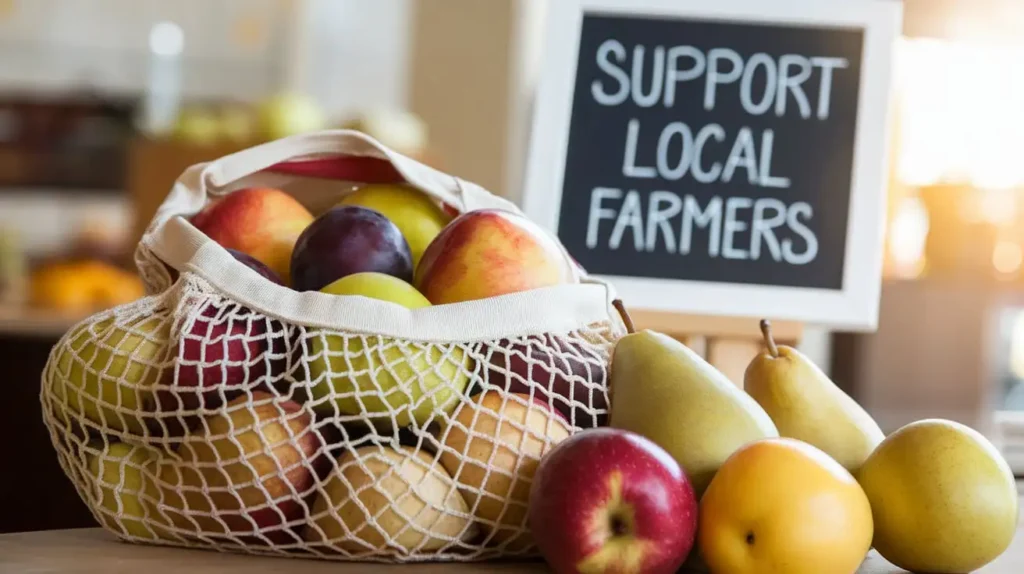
244 473
491 252
261 222
492 446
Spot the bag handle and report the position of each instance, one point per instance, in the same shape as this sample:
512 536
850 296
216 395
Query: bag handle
323 145
202 181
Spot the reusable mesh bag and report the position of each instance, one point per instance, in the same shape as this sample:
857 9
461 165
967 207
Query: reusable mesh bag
225 411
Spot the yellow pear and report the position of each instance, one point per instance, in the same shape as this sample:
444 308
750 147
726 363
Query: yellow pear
806 405
782 506
379 498
118 477
664 391
378 376
943 498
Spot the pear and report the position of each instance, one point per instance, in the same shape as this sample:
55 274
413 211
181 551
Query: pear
806 405
664 391
943 498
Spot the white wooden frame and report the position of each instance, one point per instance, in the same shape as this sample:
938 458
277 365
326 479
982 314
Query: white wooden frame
855 306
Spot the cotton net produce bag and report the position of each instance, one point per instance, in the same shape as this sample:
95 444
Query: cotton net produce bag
225 411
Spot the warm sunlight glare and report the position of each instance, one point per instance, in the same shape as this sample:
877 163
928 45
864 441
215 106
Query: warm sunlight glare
960 113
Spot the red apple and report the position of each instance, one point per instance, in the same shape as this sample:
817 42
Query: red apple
262 222
224 352
608 500
562 374
491 252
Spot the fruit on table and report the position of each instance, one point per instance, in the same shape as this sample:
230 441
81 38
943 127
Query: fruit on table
254 460
671 395
257 266
560 370
116 470
409 381
944 499
345 240
261 222
493 445
236 123
608 500
197 125
805 404
409 502
287 114
491 252
223 352
83 286
105 372
782 506
416 215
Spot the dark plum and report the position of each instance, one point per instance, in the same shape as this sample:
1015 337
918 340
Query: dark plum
346 240
256 265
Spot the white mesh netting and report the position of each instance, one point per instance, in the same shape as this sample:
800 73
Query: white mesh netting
187 419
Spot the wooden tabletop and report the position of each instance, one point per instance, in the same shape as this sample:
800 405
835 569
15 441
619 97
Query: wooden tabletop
93 551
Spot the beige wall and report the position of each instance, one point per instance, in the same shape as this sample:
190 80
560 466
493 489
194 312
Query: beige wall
460 65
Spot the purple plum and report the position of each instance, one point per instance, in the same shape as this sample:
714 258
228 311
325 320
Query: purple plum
346 240
256 265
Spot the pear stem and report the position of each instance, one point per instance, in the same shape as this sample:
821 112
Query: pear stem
626 319
766 331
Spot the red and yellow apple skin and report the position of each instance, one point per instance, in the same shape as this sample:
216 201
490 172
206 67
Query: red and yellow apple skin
261 222
487 253
610 501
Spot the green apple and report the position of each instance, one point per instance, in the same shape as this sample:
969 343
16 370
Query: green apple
105 371
381 377
117 487
415 214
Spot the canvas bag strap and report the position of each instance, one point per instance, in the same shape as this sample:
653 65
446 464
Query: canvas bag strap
461 194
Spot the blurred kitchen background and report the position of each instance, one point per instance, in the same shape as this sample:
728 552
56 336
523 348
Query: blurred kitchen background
104 102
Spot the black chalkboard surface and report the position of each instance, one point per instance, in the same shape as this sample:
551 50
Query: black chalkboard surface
711 151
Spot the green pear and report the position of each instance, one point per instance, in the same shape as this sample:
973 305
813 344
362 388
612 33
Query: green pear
380 377
942 497
664 391
806 405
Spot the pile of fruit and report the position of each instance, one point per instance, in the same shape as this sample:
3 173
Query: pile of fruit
195 420
217 425
791 476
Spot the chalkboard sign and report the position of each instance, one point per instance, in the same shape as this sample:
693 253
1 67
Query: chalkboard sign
721 157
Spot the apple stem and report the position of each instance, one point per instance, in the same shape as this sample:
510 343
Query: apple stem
766 331
621 308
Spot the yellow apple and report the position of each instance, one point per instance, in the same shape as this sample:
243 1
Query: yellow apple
105 371
416 215
118 478
378 376
379 498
